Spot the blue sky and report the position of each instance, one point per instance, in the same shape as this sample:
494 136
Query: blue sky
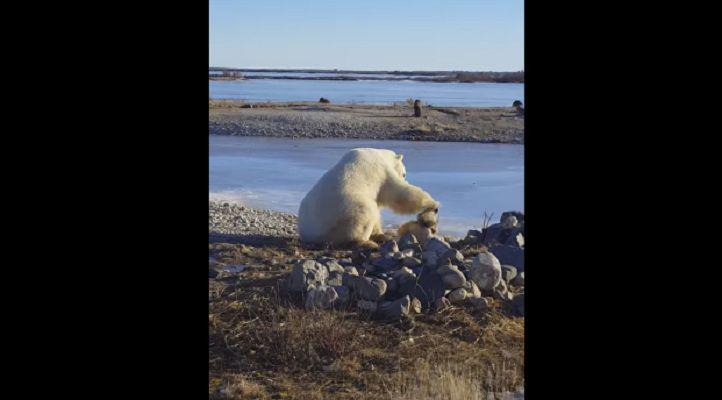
474 35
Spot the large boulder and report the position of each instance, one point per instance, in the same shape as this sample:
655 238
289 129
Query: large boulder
364 287
486 271
452 277
429 287
509 255
307 274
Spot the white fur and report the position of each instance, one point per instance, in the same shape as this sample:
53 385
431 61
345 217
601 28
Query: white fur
343 206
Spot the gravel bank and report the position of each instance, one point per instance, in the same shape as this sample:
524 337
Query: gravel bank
232 219
392 122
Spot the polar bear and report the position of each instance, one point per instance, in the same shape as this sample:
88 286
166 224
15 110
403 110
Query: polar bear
343 208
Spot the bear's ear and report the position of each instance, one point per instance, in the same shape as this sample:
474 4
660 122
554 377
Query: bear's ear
399 157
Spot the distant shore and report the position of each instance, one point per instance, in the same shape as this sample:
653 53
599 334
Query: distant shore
354 121
421 76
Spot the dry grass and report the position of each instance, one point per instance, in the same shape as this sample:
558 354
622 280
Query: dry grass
262 344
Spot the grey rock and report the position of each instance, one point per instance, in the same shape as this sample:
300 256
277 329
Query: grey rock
350 270
322 297
344 294
518 279
516 214
385 264
389 247
407 241
430 258
407 253
451 276
515 239
501 292
457 295
452 255
335 278
518 304
429 287
509 255
411 262
392 285
345 262
367 306
306 274
436 245
365 287
332 266
508 272
486 271
509 222
472 289
481 303
442 303
395 309
474 236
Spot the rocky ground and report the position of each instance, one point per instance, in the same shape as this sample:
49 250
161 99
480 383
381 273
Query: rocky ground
316 120
433 320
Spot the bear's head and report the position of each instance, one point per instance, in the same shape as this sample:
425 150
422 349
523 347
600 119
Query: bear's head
399 166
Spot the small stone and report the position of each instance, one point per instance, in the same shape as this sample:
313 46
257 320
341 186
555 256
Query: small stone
407 253
442 303
332 265
350 270
501 292
345 262
335 278
322 297
472 289
457 295
415 307
411 262
508 272
518 280
481 303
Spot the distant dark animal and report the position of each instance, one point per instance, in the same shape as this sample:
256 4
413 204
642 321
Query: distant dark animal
417 108
324 100
518 106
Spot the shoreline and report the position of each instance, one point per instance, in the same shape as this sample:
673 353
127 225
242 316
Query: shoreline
365 121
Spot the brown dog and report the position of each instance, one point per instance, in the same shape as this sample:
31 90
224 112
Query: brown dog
425 225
